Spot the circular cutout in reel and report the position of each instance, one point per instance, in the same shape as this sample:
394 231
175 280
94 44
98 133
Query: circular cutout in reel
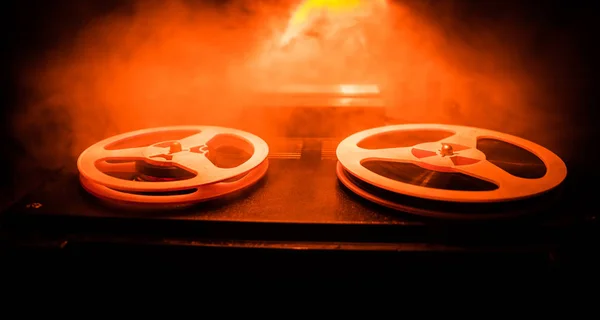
459 168
171 165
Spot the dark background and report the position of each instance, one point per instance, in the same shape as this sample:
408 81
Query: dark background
563 47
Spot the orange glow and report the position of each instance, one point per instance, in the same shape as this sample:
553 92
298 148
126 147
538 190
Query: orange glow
354 89
182 62
338 13
342 89
325 43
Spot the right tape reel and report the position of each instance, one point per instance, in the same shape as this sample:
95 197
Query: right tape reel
448 171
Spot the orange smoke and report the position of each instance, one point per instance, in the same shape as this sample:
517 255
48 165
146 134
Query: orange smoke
179 62
336 13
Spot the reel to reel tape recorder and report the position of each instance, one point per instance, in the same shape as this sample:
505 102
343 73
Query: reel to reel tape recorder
394 188
437 171
143 169
352 181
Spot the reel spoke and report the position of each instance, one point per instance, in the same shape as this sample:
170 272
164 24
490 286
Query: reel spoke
198 139
118 154
388 154
125 167
200 165
486 170
468 153
357 154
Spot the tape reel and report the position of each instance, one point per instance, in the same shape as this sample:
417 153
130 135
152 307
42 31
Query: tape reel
447 165
172 166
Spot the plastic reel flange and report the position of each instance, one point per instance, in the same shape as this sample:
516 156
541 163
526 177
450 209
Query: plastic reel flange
510 188
189 153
